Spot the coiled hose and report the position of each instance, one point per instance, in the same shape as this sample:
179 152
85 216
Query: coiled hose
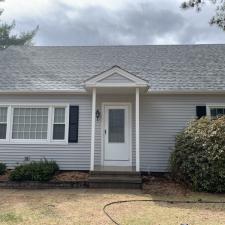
156 200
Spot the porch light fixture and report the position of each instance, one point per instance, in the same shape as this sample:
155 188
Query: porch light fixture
97 114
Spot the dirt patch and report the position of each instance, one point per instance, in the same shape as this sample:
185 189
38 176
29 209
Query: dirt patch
71 176
163 186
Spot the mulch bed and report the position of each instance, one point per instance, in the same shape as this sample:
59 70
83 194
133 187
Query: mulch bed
5 177
163 185
71 176
62 176
76 179
63 179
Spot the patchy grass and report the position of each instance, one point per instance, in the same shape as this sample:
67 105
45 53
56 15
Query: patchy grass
84 207
10 218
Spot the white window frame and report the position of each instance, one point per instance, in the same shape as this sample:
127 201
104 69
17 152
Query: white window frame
7 123
66 123
209 106
49 139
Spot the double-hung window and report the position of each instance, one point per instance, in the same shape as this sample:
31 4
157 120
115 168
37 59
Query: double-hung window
59 124
39 124
216 111
3 122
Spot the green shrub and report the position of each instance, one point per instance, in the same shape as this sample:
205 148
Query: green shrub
2 168
35 171
199 156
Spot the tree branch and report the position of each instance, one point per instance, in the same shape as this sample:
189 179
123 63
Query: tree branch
219 17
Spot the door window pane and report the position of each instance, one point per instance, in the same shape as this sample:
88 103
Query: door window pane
30 123
116 132
3 122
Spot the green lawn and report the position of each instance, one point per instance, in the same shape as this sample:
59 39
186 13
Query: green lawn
84 206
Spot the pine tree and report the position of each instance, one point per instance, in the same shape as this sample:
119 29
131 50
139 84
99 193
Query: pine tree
7 39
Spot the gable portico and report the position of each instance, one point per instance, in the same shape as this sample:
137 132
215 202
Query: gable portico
116 127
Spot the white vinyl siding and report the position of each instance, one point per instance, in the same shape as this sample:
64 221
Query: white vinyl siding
115 79
162 117
69 156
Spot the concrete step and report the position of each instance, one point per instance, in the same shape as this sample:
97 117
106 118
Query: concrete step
127 173
115 180
115 185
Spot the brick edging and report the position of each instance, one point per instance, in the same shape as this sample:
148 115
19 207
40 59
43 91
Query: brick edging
44 185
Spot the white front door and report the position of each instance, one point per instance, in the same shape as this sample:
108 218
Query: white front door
117 135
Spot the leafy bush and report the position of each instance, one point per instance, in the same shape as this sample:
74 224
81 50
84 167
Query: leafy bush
2 168
35 171
199 156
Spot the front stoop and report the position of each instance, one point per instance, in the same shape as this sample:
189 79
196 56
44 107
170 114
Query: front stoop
115 179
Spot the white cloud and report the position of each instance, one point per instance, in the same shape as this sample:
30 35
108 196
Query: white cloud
97 22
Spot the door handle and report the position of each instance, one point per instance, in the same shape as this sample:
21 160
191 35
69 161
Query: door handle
105 131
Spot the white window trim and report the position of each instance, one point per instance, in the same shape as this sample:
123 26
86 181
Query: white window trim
209 106
49 140
7 128
66 124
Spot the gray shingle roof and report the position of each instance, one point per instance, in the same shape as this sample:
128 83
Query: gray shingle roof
167 68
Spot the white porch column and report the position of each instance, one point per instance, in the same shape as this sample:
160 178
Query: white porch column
93 128
137 131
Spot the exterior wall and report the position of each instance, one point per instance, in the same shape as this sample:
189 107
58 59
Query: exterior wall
113 98
161 118
73 156
115 79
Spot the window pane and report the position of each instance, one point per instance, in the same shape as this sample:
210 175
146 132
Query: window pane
116 125
3 114
217 112
59 131
2 131
59 116
30 123
213 112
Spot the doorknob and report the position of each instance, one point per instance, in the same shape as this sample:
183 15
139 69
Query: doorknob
105 131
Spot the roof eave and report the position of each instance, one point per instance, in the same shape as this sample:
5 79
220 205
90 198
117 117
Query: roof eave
200 91
43 91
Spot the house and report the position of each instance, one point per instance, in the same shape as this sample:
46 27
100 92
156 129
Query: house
117 106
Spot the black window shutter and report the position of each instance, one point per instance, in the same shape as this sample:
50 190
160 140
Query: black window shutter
73 124
200 111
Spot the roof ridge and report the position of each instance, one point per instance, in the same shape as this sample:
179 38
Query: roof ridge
105 46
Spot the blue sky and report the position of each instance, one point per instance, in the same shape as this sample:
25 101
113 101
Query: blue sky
112 22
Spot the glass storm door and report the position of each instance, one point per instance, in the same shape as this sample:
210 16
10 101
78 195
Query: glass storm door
117 135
